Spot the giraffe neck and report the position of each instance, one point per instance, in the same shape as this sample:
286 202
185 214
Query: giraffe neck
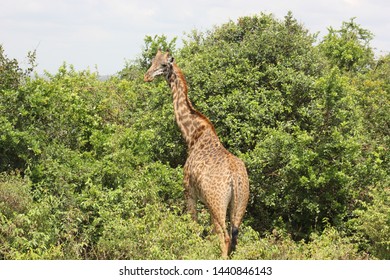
191 122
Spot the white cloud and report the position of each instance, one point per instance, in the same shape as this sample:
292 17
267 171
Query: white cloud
353 3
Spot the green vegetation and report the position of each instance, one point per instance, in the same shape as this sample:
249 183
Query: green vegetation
92 169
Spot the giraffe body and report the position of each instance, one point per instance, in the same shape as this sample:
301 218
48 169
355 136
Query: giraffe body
211 173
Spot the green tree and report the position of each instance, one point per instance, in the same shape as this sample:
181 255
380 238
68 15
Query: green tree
11 74
349 47
14 142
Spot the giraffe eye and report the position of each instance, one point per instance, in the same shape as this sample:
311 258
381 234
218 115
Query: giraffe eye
163 64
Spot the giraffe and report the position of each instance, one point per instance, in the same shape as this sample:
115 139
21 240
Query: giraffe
211 173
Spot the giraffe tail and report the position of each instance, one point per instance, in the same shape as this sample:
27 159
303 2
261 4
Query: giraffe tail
240 196
234 238
233 220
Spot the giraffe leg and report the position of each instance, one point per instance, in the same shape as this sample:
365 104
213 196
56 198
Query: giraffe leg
190 197
224 238
191 207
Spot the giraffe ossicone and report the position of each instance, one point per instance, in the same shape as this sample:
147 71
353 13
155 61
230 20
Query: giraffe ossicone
211 173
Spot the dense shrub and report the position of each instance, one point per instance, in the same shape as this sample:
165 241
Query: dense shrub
278 245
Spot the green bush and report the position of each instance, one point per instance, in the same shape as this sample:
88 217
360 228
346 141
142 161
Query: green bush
158 234
15 194
328 245
374 223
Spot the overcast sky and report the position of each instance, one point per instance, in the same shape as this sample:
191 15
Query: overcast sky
103 34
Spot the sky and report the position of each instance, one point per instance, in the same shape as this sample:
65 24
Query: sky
101 35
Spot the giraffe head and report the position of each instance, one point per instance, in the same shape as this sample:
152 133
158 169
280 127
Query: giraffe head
161 65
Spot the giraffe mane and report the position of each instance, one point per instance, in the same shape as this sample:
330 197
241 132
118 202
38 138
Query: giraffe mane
180 76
